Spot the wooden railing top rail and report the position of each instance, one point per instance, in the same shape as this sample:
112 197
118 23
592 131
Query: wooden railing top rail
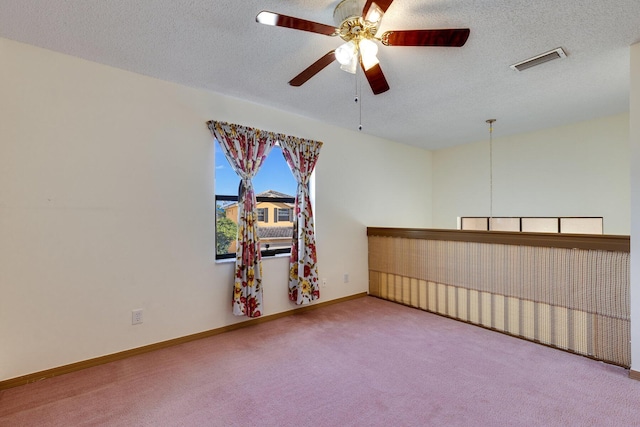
604 242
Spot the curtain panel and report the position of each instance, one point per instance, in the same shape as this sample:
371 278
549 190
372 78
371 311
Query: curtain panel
301 156
245 148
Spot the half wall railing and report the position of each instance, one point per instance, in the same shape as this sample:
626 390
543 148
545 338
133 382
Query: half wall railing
566 291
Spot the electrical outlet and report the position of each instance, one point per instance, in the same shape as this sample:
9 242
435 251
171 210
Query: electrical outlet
324 283
136 317
346 277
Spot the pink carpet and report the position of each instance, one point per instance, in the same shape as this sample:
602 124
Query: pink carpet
364 362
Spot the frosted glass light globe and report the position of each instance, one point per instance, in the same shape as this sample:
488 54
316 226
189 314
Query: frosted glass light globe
345 53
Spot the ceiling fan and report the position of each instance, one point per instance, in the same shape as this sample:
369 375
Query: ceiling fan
357 24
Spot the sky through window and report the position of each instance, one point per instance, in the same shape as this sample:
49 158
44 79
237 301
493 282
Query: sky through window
274 175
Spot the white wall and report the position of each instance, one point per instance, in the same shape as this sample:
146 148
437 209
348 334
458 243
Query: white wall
575 170
106 205
635 206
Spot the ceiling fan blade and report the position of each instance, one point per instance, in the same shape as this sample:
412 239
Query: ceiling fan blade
275 19
375 9
313 69
452 37
376 79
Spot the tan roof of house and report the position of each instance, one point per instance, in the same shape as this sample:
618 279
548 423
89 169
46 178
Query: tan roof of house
275 232
273 193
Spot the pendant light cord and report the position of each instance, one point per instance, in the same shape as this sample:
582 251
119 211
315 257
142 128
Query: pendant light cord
360 112
490 121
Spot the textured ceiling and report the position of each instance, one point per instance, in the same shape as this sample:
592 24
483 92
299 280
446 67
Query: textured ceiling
439 96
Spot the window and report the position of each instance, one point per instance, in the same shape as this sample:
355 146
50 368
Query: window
504 224
283 214
275 189
540 225
263 214
581 225
569 225
470 223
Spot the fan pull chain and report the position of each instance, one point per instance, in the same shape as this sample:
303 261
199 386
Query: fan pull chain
357 97
360 118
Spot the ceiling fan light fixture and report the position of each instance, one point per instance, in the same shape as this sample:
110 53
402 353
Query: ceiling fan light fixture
357 23
368 52
351 66
346 52
368 47
375 14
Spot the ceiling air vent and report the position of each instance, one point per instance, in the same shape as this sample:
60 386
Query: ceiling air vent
539 59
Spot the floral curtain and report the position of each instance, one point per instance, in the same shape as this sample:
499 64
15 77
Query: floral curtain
245 149
301 156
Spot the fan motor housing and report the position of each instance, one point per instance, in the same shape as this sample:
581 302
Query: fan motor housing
347 10
351 25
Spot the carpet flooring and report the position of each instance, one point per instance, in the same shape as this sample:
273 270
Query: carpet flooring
364 362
